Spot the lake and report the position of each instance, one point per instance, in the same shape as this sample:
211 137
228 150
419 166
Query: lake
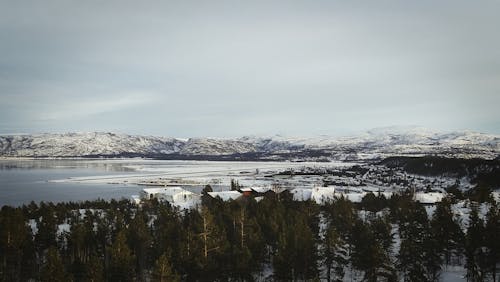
26 180
23 181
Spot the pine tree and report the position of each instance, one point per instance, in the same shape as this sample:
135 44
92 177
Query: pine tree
95 269
296 255
53 270
122 261
47 229
474 246
209 234
14 237
163 271
446 231
371 249
414 258
492 242
334 255
140 240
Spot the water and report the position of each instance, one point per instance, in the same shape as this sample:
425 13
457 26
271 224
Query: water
23 181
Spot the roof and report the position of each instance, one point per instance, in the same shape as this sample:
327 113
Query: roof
166 190
225 195
300 194
261 189
246 189
322 194
429 198
352 196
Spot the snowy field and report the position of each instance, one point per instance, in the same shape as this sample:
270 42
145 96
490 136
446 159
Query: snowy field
26 180
197 173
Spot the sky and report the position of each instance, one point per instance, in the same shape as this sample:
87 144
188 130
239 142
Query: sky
234 68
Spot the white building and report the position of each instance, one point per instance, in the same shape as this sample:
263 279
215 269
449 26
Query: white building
428 198
135 199
301 194
170 194
322 195
226 195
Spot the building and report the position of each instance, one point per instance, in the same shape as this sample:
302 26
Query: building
172 195
246 191
322 195
225 195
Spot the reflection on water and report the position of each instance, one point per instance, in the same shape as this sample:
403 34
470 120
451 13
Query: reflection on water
26 180
23 181
101 165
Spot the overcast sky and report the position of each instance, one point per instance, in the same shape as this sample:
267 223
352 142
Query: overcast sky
232 68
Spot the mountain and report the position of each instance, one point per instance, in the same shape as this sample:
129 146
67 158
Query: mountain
374 144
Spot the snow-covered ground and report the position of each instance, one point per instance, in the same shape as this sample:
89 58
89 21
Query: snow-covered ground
199 172
372 144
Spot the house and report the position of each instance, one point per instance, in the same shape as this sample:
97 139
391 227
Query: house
246 191
301 194
175 196
268 190
225 195
260 190
428 197
323 195
169 194
320 195
135 199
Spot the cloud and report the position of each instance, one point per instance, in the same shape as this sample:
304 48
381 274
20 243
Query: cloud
84 107
192 67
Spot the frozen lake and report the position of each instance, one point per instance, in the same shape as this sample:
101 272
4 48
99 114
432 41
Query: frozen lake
26 180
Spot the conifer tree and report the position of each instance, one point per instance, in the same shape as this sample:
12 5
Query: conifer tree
53 270
446 231
47 229
95 269
492 242
14 237
414 258
140 240
474 253
334 255
163 271
296 255
371 249
122 261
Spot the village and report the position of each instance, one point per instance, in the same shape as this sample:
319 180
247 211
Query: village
318 184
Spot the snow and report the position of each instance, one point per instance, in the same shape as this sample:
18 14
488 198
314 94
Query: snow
33 225
372 144
322 195
189 204
63 228
429 198
353 197
300 194
226 195
496 195
453 273
260 189
135 199
163 190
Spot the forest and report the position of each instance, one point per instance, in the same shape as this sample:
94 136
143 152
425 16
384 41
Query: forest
275 239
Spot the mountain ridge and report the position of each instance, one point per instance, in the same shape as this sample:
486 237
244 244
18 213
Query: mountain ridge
368 145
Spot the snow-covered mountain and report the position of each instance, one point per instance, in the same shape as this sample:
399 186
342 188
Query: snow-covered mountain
369 145
85 144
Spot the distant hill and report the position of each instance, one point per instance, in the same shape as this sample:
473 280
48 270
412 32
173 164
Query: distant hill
376 144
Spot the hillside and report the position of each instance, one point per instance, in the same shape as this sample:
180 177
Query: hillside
370 145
